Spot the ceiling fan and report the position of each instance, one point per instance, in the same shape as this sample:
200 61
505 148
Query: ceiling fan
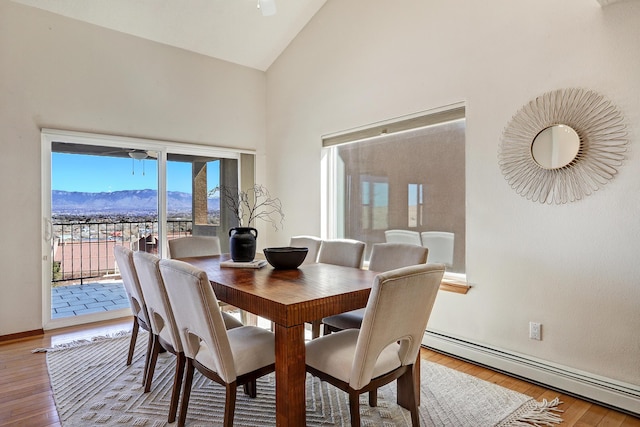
132 152
135 155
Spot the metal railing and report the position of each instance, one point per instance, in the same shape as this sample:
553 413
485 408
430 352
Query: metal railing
84 250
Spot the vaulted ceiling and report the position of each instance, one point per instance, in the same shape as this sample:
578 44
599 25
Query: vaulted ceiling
231 30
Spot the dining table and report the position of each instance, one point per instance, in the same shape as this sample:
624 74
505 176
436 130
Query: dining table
289 298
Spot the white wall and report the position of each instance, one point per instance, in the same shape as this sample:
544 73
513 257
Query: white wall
573 267
60 73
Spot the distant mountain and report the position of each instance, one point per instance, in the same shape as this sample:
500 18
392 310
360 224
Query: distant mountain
120 202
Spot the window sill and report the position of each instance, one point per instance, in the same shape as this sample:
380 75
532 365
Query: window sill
451 282
455 283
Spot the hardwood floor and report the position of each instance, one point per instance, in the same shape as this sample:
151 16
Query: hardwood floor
26 398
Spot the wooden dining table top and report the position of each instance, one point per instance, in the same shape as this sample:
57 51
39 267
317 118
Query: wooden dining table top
288 297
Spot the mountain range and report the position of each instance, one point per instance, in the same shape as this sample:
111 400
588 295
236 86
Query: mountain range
121 202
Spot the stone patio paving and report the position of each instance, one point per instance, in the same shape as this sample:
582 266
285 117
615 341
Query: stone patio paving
75 300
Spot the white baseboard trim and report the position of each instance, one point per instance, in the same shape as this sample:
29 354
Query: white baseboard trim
604 390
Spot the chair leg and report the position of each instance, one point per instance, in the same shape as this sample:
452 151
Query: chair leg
354 408
251 388
373 398
326 330
406 382
186 393
177 384
147 358
230 404
132 343
152 360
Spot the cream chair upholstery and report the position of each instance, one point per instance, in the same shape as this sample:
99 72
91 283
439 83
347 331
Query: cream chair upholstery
229 357
124 259
384 257
163 324
388 343
345 252
311 242
440 244
403 236
194 246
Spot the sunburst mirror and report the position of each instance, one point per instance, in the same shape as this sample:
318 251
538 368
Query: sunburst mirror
563 146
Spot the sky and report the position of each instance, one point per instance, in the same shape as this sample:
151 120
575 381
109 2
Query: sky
97 174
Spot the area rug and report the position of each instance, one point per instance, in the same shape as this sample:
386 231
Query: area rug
92 386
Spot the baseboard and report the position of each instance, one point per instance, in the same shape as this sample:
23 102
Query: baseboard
19 335
612 393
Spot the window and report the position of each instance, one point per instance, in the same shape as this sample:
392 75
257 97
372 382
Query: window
415 207
408 174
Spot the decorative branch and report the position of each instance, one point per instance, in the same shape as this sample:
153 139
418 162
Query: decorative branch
252 204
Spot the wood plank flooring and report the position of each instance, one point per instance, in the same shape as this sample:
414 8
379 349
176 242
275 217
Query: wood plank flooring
26 398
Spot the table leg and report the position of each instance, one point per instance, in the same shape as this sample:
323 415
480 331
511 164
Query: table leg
290 376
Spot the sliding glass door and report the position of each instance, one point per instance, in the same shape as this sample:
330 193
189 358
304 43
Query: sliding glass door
103 191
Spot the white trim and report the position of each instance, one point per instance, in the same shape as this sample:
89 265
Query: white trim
608 391
47 229
63 322
452 106
143 143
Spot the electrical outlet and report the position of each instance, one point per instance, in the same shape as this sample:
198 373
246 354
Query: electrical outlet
535 331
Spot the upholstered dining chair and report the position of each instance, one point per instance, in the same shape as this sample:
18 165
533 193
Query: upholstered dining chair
194 246
384 257
403 236
124 259
346 252
311 242
385 348
440 244
163 324
233 357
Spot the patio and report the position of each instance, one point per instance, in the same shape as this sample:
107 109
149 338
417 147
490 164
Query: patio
75 300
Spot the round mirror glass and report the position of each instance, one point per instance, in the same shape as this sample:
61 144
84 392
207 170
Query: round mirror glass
555 147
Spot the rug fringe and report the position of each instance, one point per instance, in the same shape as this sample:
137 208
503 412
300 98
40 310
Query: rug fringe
537 414
82 342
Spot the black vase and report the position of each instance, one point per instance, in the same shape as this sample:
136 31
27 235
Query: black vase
242 243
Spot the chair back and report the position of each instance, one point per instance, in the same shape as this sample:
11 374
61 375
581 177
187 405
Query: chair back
403 236
198 315
440 244
155 296
346 252
389 256
193 246
398 310
311 242
124 259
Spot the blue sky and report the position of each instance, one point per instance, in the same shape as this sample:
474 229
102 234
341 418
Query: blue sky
96 174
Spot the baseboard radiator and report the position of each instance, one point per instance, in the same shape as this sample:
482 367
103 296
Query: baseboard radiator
616 394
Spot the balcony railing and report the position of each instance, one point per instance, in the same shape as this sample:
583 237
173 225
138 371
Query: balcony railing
85 250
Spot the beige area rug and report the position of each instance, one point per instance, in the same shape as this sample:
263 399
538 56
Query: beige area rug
92 386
